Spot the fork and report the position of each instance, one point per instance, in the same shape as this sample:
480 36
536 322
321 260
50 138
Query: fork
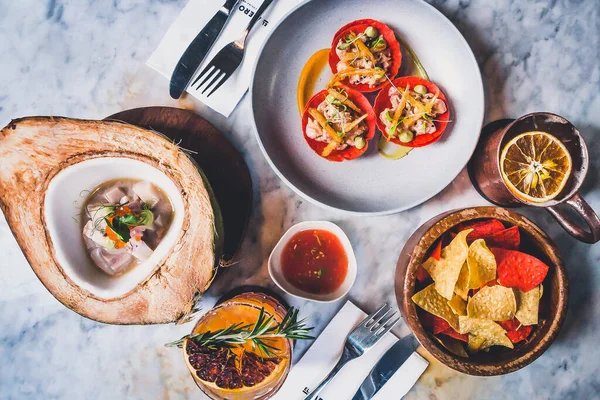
224 64
359 341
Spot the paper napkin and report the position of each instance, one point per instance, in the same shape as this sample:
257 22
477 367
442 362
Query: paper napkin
327 349
191 21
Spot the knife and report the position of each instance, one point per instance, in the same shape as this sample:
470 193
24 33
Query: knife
198 49
386 367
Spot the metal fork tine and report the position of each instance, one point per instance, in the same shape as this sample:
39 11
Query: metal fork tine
381 320
207 75
386 328
216 77
218 85
368 321
204 71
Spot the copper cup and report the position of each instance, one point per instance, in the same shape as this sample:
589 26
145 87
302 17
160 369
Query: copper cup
485 172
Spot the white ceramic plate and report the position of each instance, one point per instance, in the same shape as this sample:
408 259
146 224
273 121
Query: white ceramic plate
369 185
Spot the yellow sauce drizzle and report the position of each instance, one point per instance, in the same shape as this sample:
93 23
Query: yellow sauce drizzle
309 77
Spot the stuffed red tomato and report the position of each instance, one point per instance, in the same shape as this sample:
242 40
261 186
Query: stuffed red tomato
338 123
411 112
363 54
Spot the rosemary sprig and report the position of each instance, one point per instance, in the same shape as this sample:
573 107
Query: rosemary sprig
261 334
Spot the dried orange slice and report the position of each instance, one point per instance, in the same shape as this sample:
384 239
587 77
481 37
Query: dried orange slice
535 166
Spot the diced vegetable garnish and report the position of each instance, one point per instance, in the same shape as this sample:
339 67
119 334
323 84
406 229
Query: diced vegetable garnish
343 98
420 89
350 126
355 71
328 149
398 112
325 125
365 52
371 32
406 136
359 142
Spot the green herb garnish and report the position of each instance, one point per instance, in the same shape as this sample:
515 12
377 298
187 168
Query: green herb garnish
264 330
119 228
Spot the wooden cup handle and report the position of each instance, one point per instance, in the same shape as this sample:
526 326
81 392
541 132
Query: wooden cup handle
578 204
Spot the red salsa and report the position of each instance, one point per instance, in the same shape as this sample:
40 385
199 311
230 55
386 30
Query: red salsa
315 261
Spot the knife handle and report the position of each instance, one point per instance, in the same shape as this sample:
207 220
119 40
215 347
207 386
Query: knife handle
346 356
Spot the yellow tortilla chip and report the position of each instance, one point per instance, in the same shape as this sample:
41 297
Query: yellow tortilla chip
431 301
496 303
481 263
528 305
445 271
487 333
458 305
475 342
462 288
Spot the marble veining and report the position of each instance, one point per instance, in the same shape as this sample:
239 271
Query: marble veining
86 59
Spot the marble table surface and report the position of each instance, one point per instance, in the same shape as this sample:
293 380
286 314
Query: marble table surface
86 59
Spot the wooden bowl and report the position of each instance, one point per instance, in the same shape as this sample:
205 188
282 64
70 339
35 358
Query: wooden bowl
553 305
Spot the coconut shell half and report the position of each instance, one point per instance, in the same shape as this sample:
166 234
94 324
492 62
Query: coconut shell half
34 150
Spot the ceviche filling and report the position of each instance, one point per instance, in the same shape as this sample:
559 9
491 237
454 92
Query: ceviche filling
123 222
365 58
412 112
338 122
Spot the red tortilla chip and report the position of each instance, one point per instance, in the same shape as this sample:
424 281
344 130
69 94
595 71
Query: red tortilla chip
426 319
439 325
437 251
519 270
508 239
422 274
481 229
515 331
453 334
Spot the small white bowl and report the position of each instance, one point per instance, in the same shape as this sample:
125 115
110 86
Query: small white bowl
276 272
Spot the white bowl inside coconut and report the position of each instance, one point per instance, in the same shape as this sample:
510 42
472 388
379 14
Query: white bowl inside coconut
65 198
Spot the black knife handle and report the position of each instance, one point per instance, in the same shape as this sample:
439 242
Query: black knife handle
197 50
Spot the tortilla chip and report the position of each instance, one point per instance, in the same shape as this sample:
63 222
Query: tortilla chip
452 345
487 333
436 253
475 342
422 275
496 303
462 284
519 270
509 239
454 334
458 305
439 325
431 301
445 271
481 264
528 305
516 331
481 228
